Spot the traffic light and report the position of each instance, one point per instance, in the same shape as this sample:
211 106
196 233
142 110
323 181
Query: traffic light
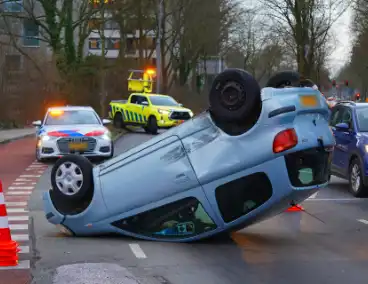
346 83
333 83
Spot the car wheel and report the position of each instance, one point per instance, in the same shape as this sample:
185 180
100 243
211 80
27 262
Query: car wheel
71 177
112 150
152 125
235 97
38 156
118 121
356 186
284 79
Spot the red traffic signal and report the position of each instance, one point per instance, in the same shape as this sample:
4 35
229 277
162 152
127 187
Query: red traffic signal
333 83
346 83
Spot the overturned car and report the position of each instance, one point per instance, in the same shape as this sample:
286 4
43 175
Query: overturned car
249 157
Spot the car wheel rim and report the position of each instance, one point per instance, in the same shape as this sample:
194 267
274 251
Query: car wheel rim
232 96
69 178
355 178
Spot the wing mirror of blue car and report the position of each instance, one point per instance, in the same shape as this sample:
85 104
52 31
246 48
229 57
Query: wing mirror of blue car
106 121
342 127
37 123
144 103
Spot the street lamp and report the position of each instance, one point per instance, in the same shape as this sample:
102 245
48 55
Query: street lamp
158 46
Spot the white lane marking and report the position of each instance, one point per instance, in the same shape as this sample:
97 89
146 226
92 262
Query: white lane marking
29 176
20 227
18 218
24 249
21 187
23 264
334 199
24 179
19 193
19 183
314 195
36 166
16 210
363 221
34 183
138 252
20 237
15 204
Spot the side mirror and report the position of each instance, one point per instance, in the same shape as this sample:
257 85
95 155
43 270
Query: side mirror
37 123
342 127
180 105
106 121
145 103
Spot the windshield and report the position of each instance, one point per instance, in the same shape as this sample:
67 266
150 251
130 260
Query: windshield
163 101
362 119
71 117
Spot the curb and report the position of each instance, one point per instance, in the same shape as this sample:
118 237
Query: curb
121 134
5 141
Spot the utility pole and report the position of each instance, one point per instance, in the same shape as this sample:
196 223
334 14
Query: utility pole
158 46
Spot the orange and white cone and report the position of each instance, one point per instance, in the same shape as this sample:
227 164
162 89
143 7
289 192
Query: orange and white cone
8 248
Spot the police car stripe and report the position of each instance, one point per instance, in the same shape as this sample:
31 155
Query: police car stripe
136 117
122 111
127 114
140 118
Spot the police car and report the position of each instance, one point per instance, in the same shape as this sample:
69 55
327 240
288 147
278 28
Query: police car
73 130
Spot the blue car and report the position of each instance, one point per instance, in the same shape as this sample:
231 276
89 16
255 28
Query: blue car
252 155
349 123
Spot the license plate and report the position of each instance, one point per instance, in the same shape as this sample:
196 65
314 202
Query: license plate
308 101
78 146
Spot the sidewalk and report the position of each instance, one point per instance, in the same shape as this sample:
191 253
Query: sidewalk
9 135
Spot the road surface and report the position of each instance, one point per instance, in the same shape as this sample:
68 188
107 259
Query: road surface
325 244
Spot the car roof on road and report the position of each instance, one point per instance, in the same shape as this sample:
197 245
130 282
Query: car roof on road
65 108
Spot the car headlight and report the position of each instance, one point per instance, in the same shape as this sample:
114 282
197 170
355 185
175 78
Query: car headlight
106 136
191 114
162 111
45 138
366 148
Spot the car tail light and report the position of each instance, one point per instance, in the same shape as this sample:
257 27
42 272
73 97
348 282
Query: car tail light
96 133
285 140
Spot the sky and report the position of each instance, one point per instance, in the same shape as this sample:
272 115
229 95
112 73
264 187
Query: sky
341 30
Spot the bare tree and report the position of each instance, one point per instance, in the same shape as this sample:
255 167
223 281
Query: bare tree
304 26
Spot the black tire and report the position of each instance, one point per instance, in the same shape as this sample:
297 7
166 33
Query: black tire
235 97
118 121
40 160
112 150
284 79
152 125
84 166
361 190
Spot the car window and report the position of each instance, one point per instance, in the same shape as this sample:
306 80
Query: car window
70 117
362 119
134 99
163 101
346 117
335 116
141 99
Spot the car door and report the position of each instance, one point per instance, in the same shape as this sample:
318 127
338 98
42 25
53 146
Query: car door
141 109
335 119
132 109
346 139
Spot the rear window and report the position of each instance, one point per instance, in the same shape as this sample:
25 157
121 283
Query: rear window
70 117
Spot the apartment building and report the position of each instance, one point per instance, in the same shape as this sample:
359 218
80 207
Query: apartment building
128 42
18 34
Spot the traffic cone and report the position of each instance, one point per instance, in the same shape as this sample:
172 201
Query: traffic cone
295 208
8 248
